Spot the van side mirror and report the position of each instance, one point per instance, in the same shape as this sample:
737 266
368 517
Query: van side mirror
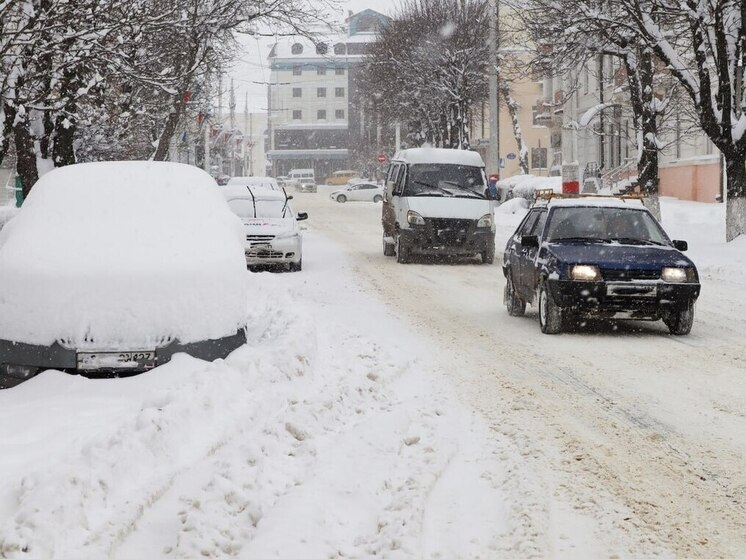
301 216
530 241
681 245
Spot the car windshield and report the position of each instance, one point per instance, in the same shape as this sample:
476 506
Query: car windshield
604 224
445 180
244 207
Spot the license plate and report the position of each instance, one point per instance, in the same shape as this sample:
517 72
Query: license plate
261 246
127 360
631 290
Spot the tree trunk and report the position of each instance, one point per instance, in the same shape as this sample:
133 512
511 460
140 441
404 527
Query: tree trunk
63 152
9 114
25 156
514 110
735 220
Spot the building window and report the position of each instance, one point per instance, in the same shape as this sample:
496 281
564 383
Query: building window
297 70
321 114
539 158
297 48
339 71
321 70
320 92
340 48
322 48
297 115
339 114
297 92
339 91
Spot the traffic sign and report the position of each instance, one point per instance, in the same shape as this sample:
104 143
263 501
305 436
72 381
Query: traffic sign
511 156
381 158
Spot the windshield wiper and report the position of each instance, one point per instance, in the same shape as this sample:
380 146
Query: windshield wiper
465 189
579 239
635 241
434 187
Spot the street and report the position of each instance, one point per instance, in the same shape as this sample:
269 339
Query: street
627 410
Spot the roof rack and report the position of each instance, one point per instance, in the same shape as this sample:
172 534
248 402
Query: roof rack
547 194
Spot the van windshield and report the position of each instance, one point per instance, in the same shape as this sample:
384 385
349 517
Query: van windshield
439 179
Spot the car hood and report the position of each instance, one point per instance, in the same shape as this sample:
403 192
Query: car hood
269 226
460 208
617 256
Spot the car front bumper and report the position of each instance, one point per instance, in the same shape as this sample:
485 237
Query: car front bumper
636 299
20 361
429 240
277 251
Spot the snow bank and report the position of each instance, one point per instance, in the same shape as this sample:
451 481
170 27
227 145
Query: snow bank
524 186
6 214
125 253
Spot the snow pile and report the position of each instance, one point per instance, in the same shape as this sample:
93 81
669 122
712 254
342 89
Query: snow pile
524 186
6 214
122 253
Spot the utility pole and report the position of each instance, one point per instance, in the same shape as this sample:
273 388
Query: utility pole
493 152
232 109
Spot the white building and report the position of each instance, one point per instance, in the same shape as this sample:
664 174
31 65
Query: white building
312 97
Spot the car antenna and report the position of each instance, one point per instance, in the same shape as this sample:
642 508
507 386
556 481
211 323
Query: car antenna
253 199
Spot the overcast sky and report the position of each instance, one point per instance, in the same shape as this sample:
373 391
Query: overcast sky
250 71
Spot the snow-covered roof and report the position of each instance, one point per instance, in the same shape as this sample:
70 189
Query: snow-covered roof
122 254
598 201
440 155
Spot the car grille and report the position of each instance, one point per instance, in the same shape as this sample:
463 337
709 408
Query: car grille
449 230
264 254
259 238
611 274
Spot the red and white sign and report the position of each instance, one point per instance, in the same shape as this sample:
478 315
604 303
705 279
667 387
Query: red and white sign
570 176
381 158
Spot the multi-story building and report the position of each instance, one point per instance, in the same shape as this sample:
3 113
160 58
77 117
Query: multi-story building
590 118
312 98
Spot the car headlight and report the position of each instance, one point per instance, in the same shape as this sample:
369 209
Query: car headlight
485 221
674 275
584 272
413 218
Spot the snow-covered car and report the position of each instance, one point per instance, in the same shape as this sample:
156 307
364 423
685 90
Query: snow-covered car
272 234
111 268
360 192
260 182
602 257
305 185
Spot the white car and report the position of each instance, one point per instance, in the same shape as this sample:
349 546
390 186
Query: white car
111 268
359 192
261 182
272 234
305 185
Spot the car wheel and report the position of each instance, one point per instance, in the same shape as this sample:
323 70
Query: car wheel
488 256
402 250
377 198
515 305
680 322
341 198
388 248
550 315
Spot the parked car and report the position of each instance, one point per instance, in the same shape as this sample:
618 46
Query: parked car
598 257
435 204
339 178
262 182
305 185
272 235
360 192
111 268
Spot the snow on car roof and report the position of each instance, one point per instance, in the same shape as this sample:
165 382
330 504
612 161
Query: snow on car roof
599 201
440 155
264 181
122 253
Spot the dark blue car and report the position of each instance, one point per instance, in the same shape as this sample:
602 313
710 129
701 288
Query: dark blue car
598 257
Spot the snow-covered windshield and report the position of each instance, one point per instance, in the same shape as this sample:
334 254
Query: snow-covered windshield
437 179
606 224
244 207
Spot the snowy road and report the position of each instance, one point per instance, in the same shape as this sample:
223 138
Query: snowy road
653 422
391 410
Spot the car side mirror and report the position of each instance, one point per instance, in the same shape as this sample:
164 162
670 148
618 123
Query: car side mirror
681 245
301 216
530 241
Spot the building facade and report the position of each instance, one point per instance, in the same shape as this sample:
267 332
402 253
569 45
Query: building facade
312 98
